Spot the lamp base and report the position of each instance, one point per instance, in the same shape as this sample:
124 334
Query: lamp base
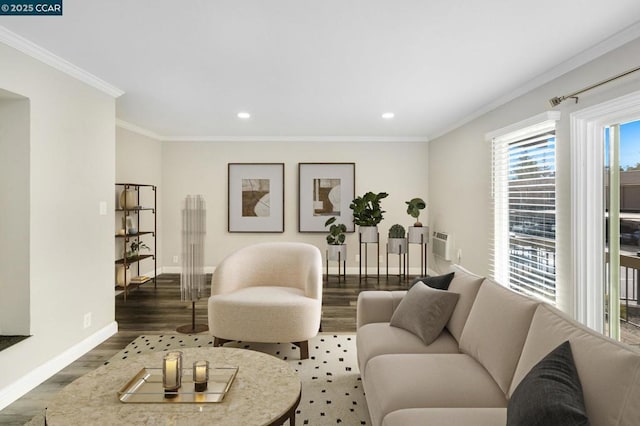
192 328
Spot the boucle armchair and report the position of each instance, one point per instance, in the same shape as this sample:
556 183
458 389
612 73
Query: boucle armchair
269 292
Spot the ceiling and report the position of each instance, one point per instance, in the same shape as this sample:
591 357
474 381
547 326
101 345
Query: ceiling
318 69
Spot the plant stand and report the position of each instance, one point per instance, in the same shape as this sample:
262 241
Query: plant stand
402 262
342 274
366 251
423 240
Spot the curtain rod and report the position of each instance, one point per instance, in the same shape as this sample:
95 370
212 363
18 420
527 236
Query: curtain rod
559 99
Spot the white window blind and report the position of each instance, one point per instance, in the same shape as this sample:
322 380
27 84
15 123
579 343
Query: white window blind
523 256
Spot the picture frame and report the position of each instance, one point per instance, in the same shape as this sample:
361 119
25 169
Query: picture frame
255 197
325 190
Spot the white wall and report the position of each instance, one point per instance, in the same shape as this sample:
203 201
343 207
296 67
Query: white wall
72 169
14 215
139 160
399 168
460 170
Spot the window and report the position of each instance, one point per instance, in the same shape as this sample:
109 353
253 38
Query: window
524 202
587 181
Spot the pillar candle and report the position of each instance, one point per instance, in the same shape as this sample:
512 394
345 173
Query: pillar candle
172 372
200 375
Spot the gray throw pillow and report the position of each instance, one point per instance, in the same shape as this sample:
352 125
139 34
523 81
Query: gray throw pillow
424 311
441 282
550 394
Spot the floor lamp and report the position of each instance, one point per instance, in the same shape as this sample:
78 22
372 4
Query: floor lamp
192 277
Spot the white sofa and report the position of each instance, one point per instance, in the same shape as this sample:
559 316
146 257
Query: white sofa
492 340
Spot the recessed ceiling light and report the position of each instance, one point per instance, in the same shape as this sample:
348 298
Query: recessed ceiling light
244 115
388 115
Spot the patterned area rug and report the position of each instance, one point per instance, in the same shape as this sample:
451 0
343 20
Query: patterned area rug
332 392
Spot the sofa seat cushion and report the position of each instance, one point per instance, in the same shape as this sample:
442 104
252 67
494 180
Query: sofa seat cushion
609 371
380 339
447 417
270 314
400 381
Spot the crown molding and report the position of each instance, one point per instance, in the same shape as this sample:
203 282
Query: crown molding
151 134
139 130
628 34
412 139
29 48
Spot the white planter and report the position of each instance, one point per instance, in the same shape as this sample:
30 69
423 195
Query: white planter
337 252
397 245
418 234
368 234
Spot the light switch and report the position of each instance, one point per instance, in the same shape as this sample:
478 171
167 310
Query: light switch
103 208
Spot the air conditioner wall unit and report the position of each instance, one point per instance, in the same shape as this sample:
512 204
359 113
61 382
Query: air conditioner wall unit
441 243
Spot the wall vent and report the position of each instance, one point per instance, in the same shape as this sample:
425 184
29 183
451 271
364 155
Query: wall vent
441 242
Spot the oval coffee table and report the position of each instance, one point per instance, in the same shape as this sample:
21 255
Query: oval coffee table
266 391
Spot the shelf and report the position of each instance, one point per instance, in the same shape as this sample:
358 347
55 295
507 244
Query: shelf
136 209
133 259
120 289
134 235
135 184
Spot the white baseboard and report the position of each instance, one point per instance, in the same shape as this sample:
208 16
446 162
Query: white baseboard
17 389
178 269
351 270
354 270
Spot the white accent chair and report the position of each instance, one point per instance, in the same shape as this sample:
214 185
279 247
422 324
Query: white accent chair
268 292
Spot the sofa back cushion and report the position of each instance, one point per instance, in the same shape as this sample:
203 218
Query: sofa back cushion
496 330
466 285
609 371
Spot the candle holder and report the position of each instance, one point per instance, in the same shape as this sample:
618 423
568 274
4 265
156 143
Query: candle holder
200 375
172 373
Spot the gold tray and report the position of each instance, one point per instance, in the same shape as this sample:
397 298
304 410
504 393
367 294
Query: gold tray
146 387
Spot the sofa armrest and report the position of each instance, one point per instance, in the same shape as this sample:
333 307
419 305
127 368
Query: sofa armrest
377 306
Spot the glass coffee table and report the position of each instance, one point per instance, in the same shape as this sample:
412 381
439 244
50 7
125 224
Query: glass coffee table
265 391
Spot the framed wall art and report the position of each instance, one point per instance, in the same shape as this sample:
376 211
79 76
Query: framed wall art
256 197
325 190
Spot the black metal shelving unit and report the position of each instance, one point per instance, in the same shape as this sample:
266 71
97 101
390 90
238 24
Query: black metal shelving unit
128 262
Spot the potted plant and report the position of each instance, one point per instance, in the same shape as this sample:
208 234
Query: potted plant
413 209
367 214
337 249
417 233
397 240
135 248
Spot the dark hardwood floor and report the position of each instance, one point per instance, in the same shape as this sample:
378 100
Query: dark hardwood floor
150 310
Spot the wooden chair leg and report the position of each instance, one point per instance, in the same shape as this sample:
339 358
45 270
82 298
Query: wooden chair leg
219 342
304 349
